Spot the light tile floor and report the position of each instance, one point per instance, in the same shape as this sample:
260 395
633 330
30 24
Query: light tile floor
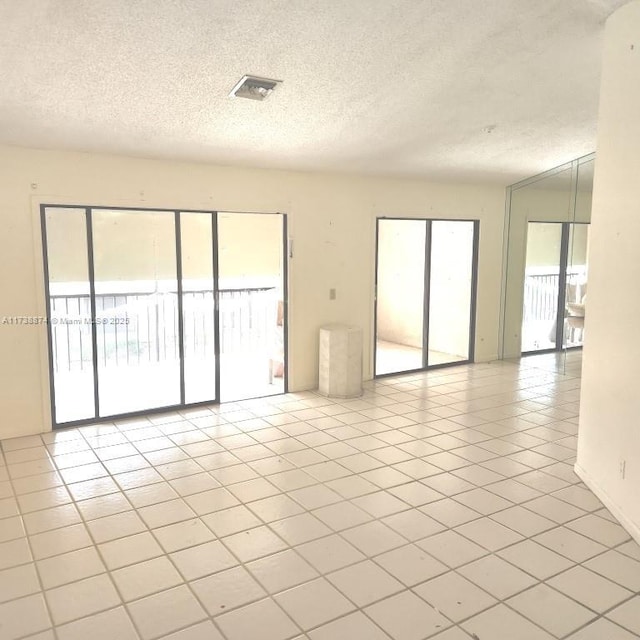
440 505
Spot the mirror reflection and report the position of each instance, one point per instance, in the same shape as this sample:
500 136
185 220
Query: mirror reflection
546 275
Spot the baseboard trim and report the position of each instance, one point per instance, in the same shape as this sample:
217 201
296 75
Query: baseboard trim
632 528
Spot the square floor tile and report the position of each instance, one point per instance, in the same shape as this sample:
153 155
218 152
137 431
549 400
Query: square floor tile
102 506
275 508
59 541
342 515
314 603
602 629
365 583
145 578
202 560
351 486
416 493
116 526
497 576
451 548
617 567
255 489
210 501
454 633
523 521
355 626
14 552
501 623
380 504
164 612
129 550
570 544
200 631
449 512
483 501
70 567
282 571
489 534
513 490
254 543
182 535
600 530
410 564
18 582
454 596
551 610
315 496
233 520
24 616
140 497
407 617
227 590
299 529
627 615
330 553
373 538
263 619
590 589
12 528
413 524
160 515
554 509
535 559
108 625
83 598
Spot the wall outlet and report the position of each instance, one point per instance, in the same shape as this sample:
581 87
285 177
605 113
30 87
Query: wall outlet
332 294
623 469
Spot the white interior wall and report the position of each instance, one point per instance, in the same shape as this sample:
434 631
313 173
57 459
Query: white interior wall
609 437
331 221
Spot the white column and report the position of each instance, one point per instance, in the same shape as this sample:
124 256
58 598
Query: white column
609 437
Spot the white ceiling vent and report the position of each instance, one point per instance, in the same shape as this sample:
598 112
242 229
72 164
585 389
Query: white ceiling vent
254 88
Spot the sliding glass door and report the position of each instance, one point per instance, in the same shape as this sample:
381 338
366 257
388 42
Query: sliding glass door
425 293
137 315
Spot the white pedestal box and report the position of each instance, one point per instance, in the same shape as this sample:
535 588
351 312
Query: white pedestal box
340 371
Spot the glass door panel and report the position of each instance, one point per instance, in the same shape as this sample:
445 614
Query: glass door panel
70 314
136 310
251 305
400 295
541 286
198 307
576 288
450 291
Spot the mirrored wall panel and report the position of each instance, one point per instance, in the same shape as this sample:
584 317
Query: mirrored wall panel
546 264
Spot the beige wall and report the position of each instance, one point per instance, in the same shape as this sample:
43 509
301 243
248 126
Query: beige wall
331 221
609 435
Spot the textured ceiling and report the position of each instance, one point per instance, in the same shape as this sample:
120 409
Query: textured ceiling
398 87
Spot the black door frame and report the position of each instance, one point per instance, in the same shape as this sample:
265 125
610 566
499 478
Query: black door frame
426 296
88 209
